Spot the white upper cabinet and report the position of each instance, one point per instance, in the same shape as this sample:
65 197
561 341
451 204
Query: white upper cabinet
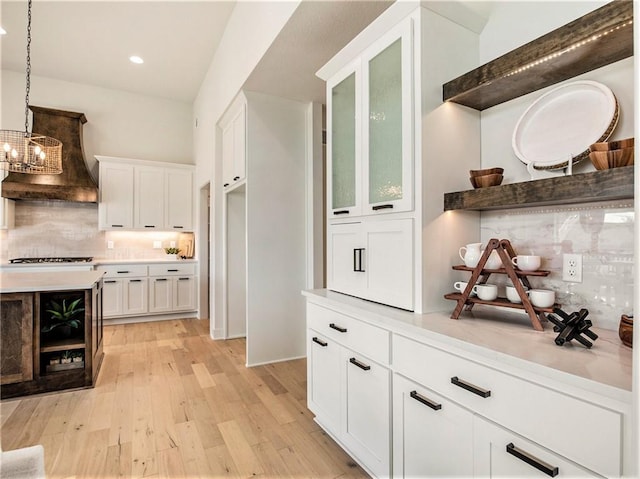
233 126
145 195
115 210
149 200
370 140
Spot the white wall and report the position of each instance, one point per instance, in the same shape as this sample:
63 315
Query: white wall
118 123
252 28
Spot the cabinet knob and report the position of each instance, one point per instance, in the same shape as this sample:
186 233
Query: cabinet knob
540 465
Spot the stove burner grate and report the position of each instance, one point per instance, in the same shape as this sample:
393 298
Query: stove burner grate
73 259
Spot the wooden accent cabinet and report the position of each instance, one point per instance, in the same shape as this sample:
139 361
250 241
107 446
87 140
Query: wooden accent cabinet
16 335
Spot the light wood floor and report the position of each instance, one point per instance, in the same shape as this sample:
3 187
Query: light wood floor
170 402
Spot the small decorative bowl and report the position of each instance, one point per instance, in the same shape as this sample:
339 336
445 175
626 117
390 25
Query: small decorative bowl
612 145
625 331
603 160
486 180
486 171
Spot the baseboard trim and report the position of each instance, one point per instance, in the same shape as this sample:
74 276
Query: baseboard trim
149 318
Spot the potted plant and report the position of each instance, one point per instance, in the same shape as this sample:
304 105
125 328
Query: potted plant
64 318
76 357
172 252
66 357
54 360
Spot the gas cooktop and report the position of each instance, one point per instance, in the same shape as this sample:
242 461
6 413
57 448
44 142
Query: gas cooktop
73 259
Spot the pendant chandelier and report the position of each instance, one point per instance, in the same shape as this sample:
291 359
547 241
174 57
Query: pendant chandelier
24 151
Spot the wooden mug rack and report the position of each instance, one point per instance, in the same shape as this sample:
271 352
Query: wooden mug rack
480 275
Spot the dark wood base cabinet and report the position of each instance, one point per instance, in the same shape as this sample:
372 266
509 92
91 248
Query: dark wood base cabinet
36 358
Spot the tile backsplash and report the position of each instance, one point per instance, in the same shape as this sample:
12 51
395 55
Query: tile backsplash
54 228
603 233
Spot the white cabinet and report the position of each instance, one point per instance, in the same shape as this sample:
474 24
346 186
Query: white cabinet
391 143
115 210
349 390
372 260
7 213
503 453
146 289
145 195
431 434
370 167
234 132
149 198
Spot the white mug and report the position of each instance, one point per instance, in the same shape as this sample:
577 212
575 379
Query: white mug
486 292
542 298
512 294
526 262
461 286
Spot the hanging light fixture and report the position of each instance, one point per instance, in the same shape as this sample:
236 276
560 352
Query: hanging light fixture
24 151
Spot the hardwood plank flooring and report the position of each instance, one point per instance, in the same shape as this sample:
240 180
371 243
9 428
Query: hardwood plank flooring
172 403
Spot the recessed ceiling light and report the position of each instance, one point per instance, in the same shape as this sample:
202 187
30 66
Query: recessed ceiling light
136 59
2 31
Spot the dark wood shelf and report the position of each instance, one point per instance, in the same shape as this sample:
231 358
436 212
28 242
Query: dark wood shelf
62 345
594 40
605 185
539 272
503 302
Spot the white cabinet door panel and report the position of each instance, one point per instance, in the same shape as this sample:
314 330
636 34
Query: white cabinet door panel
324 390
345 250
160 295
184 293
149 198
116 196
112 300
135 296
179 199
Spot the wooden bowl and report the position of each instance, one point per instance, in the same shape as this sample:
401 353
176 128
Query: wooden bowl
486 180
612 145
604 160
487 171
625 330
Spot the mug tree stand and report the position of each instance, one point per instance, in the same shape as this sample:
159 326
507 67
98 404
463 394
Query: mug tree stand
480 275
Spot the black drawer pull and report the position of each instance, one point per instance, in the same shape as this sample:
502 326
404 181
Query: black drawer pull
184 279
236 178
225 185
338 328
341 212
135 280
149 226
172 271
355 362
548 469
381 207
161 279
124 272
320 342
178 227
116 226
485 393
420 398
110 281
357 260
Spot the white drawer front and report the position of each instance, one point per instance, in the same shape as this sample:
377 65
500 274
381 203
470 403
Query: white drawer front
123 270
172 269
583 432
361 337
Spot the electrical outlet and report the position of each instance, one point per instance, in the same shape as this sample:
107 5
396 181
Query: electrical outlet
109 244
572 268
157 244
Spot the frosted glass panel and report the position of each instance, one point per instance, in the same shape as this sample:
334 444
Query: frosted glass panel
385 125
343 143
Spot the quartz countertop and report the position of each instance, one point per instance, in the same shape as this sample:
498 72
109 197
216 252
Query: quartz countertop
503 337
44 281
14 267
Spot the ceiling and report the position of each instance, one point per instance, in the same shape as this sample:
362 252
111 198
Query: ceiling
89 42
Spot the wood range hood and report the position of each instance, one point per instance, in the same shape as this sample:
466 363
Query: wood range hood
75 183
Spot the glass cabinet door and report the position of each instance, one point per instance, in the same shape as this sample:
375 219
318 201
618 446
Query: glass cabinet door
344 149
388 113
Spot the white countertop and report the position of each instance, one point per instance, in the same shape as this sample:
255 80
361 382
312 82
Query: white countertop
43 281
503 337
13 267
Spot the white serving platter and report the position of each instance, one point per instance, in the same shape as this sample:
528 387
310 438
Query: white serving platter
563 123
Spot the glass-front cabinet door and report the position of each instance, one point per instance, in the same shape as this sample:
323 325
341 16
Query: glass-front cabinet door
387 132
344 167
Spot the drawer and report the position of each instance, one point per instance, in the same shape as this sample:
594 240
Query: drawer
356 335
172 269
123 270
581 431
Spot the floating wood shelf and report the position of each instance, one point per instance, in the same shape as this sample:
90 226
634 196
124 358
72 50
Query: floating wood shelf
62 345
540 272
605 185
594 40
503 302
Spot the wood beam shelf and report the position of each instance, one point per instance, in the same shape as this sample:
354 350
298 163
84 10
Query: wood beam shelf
594 40
605 185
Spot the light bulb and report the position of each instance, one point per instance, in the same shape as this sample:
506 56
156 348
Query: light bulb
42 155
37 150
14 153
7 147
